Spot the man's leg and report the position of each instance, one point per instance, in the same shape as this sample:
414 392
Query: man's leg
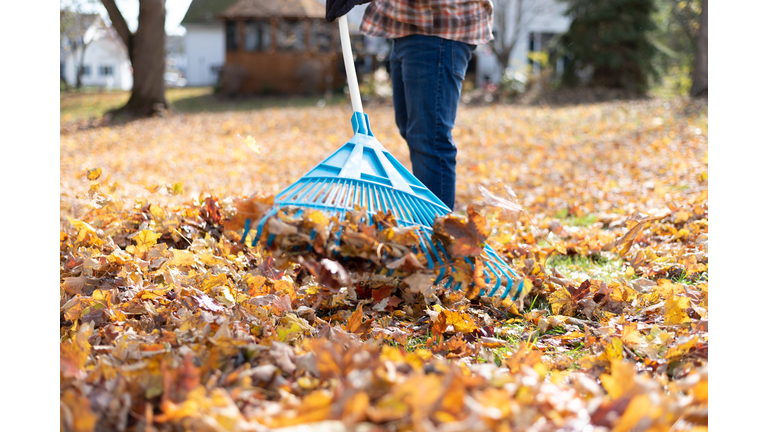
431 70
398 91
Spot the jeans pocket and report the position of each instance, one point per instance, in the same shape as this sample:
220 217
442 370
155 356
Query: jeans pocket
460 55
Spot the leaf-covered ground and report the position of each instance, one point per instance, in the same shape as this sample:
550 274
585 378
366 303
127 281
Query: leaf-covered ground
169 323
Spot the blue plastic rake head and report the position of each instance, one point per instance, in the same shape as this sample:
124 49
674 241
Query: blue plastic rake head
363 174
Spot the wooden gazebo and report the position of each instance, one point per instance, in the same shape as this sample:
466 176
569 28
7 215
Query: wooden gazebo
281 46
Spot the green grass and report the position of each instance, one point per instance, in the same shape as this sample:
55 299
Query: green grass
530 333
575 221
93 103
80 105
578 268
416 342
691 280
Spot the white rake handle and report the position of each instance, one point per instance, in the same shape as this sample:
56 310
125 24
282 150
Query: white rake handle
349 65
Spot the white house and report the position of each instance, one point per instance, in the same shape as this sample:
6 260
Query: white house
540 21
105 64
204 41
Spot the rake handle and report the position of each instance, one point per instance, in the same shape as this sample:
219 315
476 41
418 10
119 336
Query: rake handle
349 65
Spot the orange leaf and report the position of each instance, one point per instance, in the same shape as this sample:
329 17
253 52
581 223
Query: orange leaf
355 320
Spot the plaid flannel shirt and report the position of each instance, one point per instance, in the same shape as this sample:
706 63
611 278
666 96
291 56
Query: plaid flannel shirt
468 21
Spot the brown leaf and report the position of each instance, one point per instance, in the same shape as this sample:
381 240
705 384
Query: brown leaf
581 291
74 285
463 237
283 355
328 273
251 208
626 241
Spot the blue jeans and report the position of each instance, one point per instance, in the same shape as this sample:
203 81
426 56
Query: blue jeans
427 72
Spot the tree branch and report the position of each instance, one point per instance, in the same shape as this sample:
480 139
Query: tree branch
118 22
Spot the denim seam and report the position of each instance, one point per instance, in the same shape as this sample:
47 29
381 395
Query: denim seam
437 114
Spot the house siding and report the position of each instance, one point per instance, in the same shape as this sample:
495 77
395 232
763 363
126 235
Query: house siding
101 52
204 48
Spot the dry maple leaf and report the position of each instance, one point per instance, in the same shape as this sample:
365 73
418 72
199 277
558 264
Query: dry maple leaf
464 237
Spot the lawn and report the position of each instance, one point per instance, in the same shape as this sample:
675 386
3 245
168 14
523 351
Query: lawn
169 323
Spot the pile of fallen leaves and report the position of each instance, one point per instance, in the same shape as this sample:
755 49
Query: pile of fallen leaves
169 322
330 245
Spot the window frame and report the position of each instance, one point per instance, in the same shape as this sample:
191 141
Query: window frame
106 70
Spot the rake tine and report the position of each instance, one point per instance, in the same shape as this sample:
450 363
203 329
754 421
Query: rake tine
492 268
246 229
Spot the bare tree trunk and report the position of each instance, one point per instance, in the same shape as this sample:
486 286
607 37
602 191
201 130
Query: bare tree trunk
146 49
699 86
80 65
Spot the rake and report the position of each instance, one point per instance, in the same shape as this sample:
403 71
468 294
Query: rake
363 174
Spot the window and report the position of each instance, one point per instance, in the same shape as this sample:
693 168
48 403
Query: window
258 36
231 35
86 70
320 36
106 70
290 36
540 50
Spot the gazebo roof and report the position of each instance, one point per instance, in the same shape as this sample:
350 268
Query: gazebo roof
205 11
272 8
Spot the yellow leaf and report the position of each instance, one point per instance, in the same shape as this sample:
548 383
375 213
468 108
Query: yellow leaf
632 337
562 302
285 287
176 188
318 218
682 216
462 321
614 350
392 354
145 239
214 281
81 416
156 212
639 407
287 334
314 407
701 391
250 142
93 173
85 233
667 288
621 380
74 353
182 258
255 284
355 407
674 310
681 348
560 248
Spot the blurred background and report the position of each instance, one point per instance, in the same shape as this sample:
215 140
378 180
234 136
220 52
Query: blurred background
184 53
